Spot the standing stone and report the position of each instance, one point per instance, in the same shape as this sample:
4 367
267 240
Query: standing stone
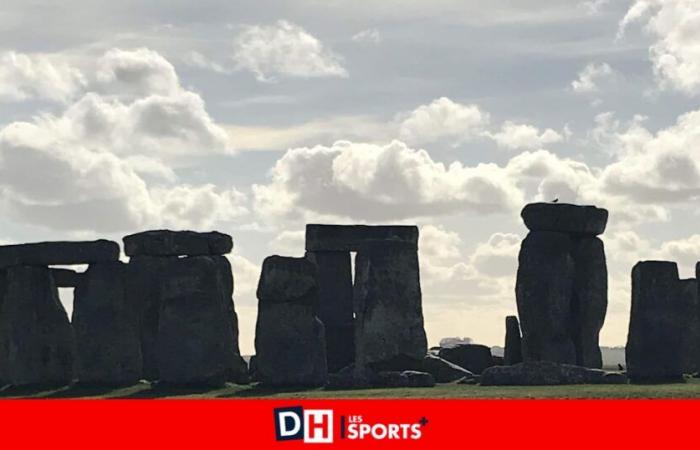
654 350
544 289
389 333
335 306
37 345
195 343
513 353
238 371
145 276
691 335
106 327
66 278
590 299
290 347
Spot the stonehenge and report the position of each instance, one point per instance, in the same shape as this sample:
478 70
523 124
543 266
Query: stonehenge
561 285
166 315
659 318
290 344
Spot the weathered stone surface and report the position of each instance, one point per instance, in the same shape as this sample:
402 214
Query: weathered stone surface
66 278
565 218
195 343
404 379
106 327
544 290
144 279
350 238
238 371
290 344
253 368
37 345
541 373
589 299
497 360
177 243
513 353
691 335
442 370
389 333
657 322
335 306
473 357
58 253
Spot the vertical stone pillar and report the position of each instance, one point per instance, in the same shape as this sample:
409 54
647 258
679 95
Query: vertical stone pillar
290 346
513 353
389 333
561 286
106 326
335 305
691 336
37 345
195 343
658 319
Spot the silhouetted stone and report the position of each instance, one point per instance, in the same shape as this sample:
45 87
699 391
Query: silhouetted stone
37 345
145 275
106 327
195 343
565 218
177 243
442 370
404 379
497 360
350 238
58 253
657 322
513 353
544 291
389 332
540 373
691 335
238 371
66 278
589 300
335 306
253 369
473 357
290 342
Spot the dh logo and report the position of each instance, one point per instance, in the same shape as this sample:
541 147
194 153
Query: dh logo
314 426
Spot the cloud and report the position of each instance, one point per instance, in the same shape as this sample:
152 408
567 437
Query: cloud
443 119
523 136
590 77
105 163
289 242
38 76
380 182
284 49
498 257
369 36
675 53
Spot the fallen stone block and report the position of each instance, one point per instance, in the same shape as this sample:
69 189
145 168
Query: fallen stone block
473 357
442 370
545 373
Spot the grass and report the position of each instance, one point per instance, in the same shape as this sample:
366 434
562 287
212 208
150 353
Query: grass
690 389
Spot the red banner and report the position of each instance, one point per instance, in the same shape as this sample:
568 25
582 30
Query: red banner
198 424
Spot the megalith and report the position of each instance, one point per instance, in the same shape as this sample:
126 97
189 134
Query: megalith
161 260
195 342
105 321
37 345
389 333
513 353
335 306
474 357
561 286
658 321
290 347
691 337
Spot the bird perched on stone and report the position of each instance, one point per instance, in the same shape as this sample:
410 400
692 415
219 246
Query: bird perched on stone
555 200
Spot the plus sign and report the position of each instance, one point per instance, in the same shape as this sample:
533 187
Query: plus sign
423 421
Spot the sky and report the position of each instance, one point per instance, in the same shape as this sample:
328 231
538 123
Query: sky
254 118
